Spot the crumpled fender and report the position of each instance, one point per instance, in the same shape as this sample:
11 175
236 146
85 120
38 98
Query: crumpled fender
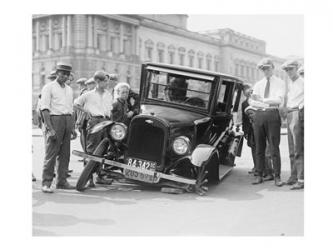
99 126
201 154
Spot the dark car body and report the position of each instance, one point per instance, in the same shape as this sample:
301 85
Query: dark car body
184 133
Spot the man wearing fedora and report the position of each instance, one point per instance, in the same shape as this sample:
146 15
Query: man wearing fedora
57 110
268 95
295 121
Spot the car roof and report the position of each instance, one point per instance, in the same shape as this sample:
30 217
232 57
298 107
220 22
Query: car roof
195 70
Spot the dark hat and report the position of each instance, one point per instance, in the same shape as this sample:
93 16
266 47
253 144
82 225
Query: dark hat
52 75
90 81
81 80
99 75
290 64
265 62
64 67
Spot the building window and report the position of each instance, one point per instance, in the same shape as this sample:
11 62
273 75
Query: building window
209 62
149 53
216 66
200 62
190 61
46 43
160 55
237 70
171 57
127 47
181 59
101 42
242 70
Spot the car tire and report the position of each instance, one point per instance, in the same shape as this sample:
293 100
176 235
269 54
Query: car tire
91 166
213 168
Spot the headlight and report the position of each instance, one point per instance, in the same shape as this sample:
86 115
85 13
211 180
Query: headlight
118 131
181 145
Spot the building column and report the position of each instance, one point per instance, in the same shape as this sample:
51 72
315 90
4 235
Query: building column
50 34
134 37
37 36
121 37
69 31
94 32
64 44
90 31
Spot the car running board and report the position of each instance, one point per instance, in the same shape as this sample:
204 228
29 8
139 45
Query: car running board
224 170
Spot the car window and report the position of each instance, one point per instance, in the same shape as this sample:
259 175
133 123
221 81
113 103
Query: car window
221 104
179 89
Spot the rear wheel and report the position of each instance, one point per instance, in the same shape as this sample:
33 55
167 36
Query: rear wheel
91 166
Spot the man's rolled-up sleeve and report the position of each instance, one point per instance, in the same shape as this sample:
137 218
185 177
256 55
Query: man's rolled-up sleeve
45 102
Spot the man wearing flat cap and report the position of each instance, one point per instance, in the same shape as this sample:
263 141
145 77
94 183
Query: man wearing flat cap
97 105
295 122
57 110
267 97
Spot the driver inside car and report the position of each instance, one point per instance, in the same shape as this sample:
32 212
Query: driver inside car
176 90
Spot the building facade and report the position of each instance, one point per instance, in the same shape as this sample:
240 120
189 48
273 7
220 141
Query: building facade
120 43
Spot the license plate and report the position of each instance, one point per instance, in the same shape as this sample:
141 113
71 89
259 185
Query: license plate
134 175
137 163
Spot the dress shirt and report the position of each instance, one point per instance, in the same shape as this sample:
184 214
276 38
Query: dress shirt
296 94
57 99
95 103
276 92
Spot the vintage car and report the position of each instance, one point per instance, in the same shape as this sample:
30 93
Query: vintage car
184 136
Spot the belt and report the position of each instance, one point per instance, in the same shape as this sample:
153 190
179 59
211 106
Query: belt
294 109
267 109
62 115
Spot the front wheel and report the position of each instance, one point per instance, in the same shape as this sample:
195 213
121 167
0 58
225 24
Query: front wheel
91 166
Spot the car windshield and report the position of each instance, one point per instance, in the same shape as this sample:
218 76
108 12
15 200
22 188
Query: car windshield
179 89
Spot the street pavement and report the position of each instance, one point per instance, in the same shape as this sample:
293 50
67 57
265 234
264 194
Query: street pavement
234 207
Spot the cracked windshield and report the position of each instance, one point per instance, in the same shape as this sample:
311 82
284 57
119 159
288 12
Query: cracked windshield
179 89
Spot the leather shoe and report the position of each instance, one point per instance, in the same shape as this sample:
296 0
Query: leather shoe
278 182
268 177
298 185
257 180
291 181
47 189
65 186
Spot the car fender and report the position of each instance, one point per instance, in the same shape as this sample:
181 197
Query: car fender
99 126
201 154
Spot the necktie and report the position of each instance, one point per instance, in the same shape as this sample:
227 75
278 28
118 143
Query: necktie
268 85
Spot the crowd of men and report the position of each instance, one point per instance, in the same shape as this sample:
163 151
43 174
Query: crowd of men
266 103
101 98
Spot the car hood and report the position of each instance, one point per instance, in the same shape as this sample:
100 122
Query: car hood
174 117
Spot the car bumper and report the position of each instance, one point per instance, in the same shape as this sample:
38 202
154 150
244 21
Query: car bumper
153 176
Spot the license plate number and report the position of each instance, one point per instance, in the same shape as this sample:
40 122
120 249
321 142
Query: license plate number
134 175
137 163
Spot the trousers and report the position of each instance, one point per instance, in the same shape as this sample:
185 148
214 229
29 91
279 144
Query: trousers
266 126
57 151
92 140
295 121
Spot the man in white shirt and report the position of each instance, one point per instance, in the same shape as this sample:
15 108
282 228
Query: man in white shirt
295 121
57 109
268 95
96 104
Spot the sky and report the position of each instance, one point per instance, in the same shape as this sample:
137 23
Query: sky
284 34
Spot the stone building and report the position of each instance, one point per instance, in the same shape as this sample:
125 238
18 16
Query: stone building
120 43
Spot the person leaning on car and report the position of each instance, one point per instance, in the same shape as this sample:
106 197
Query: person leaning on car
97 104
120 109
295 122
57 110
268 95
